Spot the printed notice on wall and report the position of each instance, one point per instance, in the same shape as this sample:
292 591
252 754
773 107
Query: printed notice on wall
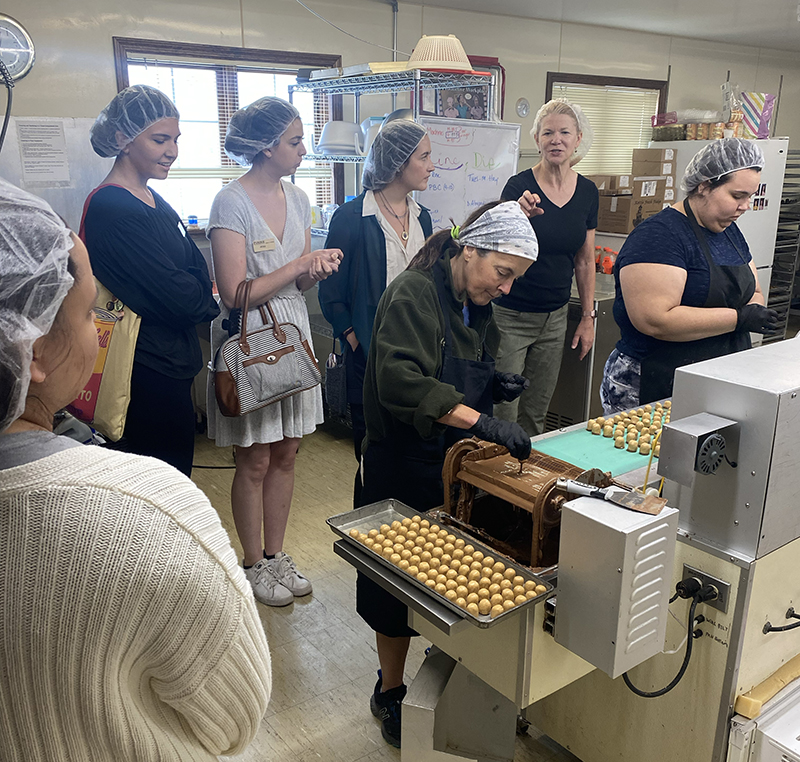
43 151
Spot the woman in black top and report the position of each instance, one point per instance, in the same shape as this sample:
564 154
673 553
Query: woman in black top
563 211
141 252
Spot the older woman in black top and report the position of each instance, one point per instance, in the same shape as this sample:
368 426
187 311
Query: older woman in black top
141 252
563 210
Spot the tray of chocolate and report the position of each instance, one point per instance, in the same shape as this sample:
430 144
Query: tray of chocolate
463 573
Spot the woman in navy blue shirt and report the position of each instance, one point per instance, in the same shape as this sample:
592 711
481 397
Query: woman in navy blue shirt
686 286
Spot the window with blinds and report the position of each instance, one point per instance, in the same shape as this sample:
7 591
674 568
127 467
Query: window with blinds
618 113
207 92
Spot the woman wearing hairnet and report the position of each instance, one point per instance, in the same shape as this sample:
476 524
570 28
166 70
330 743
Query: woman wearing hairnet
686 285
260 230
141 252
379 232
430 381
127 631
562 206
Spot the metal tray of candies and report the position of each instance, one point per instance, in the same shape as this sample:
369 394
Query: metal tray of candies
426 547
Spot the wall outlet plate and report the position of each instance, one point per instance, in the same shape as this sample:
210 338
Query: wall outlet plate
724 588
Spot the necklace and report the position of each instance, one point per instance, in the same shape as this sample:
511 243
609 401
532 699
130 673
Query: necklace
402 219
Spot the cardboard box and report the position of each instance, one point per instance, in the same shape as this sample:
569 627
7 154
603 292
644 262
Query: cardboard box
653 154
603 182
622 213
649 187
661 168
611 183
621 182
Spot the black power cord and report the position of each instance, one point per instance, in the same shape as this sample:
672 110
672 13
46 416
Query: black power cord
691 587
790 614
675 680
5 76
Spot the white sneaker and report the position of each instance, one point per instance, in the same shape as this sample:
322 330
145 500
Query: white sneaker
286 573
266 586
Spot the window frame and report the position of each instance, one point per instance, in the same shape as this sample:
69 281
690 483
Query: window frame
613 147
125 46
600 80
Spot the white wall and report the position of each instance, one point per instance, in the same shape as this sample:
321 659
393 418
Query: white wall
74 71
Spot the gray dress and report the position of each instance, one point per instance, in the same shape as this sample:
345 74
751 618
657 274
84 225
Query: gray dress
299 414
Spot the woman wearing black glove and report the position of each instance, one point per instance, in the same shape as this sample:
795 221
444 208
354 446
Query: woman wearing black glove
686 284
430 381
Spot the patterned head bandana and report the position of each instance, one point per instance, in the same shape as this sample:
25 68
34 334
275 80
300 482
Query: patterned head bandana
503 228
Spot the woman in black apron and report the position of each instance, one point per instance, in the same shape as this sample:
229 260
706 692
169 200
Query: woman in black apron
430 381
686 284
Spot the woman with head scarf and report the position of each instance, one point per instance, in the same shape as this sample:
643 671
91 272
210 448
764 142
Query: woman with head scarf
379 232
260 231
686 284
127 630
141 252
563 212
430 381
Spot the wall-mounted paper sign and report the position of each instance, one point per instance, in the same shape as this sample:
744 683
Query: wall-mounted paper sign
43 151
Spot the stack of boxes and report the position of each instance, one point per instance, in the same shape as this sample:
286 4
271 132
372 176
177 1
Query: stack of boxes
627 200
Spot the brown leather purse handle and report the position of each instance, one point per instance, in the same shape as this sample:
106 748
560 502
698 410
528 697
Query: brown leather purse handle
242 301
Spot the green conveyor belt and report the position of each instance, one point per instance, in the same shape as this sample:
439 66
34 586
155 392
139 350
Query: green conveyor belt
590 451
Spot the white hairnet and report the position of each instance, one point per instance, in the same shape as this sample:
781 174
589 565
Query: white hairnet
34 249
503 228
131 112
721 158
392 147
563 106
257 127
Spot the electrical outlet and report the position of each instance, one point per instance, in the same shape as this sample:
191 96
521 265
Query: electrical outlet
723 587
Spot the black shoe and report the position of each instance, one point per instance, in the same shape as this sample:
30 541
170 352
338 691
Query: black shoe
386 706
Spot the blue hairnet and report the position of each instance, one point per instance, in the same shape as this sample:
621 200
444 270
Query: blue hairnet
34 250
721 158
392 147
131 112
257 127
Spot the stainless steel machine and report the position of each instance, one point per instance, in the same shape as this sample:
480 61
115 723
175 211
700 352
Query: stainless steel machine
728 457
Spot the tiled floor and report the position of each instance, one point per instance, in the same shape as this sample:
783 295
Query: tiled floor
323 655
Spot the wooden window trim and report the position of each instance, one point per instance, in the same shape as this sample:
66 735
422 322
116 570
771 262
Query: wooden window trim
662 86
123 46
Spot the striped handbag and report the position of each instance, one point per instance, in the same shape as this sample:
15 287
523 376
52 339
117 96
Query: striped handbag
257 368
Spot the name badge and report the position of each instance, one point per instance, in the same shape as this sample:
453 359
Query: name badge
268 244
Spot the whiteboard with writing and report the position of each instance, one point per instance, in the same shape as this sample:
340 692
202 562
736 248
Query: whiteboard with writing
473 161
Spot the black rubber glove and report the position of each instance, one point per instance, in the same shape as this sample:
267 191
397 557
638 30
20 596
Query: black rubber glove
508 386
506 433
757 318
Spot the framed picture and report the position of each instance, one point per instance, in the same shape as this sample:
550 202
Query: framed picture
467 103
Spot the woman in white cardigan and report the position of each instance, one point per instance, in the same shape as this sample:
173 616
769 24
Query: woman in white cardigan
127 629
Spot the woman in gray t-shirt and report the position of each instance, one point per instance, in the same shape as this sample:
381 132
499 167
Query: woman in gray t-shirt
260 230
